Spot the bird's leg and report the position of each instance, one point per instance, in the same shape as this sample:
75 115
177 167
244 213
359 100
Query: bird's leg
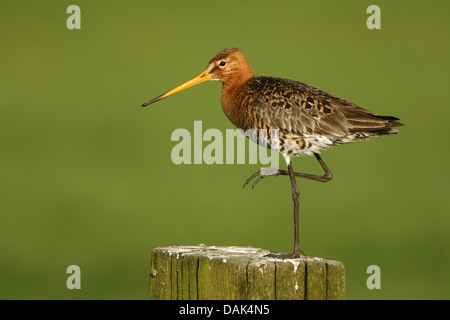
274 172
296 199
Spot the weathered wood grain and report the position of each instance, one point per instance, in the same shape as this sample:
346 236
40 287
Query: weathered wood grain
241 273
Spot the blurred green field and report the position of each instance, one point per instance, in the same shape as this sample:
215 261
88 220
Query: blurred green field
86 176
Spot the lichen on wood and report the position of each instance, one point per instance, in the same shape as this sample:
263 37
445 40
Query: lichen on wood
241 273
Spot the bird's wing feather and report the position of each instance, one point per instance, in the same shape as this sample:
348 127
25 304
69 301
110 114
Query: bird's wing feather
302 109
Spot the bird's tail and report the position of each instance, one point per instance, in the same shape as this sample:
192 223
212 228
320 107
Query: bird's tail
391 123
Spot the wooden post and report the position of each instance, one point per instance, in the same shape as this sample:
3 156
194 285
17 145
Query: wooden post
241 273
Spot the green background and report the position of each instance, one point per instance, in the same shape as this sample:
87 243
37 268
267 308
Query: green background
86 176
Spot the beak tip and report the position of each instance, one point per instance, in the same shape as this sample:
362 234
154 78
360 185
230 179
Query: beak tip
204 76
149 102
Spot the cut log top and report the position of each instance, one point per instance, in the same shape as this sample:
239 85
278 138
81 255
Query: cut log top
241 273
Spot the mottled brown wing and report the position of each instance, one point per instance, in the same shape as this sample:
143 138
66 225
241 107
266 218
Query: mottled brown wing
301 109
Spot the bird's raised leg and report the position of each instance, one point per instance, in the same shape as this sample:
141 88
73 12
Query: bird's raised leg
296 199
274 172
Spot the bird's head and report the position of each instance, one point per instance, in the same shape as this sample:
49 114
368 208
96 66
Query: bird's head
228 66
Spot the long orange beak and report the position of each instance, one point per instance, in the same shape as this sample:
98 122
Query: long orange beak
202 77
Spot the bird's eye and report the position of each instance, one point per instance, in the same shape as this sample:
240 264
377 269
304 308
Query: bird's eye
222 63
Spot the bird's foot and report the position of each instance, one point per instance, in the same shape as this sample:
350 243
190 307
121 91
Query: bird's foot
263 173
284 256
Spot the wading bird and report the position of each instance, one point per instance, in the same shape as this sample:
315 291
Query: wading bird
307 119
